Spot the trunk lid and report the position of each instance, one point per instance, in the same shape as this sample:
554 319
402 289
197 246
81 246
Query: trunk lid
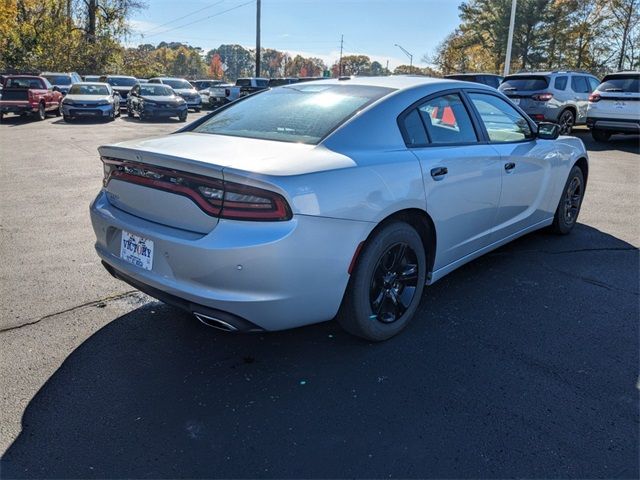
207 156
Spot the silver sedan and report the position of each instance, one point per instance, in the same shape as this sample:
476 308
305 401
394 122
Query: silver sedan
334 198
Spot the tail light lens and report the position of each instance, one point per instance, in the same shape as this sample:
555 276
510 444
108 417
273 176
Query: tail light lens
30 95
595 97
542 97
215 197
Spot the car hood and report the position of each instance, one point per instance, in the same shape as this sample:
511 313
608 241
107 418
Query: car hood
161 98
202 152
88 98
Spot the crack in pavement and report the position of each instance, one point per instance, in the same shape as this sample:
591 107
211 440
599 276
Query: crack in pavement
110 298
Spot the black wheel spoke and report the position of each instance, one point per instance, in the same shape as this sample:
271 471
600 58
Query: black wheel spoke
394 281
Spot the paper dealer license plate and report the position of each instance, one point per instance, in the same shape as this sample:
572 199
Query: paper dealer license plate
136 250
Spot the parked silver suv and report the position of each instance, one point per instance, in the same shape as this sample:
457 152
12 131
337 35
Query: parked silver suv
561 97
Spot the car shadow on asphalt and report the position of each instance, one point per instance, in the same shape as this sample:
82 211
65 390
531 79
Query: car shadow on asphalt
522 363
19 120
623 143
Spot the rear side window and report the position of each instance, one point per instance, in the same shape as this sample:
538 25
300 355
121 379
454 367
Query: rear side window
620 83
447 120
593 83
262 83
560 83
414 129
502 122
579 84
528 82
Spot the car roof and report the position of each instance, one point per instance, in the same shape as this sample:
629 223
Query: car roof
55 73
628 72
117 76
94 83
397 82
470 74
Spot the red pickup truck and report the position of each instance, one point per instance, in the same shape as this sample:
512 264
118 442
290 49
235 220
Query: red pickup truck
29 95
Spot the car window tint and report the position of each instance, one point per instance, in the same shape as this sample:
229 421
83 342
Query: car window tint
293 113
414 129
503 122
447 120
560 83
593 84
579 84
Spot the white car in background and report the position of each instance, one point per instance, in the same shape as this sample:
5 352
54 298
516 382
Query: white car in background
331 198
183 89
614 107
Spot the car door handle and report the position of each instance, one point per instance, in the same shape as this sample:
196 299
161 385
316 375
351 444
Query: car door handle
439 172
509 166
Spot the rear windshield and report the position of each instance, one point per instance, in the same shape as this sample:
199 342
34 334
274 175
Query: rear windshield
58 79
23 83
155 90
293 113
177 83
121 81
525 83
621 83
243 82
79 89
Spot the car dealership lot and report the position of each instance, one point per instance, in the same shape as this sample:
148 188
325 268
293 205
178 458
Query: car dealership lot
522 363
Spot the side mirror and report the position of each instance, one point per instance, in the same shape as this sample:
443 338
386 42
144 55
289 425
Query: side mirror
548 130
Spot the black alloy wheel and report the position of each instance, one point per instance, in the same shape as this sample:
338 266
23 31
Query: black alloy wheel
566 122
394 283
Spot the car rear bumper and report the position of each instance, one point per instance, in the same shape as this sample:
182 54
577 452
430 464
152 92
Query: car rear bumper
17 107
274 275
614 124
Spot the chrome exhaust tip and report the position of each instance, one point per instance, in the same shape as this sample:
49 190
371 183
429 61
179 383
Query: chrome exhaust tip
215 322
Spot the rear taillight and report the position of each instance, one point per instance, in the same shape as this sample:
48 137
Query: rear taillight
215 197
30 95
595 97
542 97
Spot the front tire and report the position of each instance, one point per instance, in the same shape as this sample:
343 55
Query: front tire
386 285
600 135
570 203
183 116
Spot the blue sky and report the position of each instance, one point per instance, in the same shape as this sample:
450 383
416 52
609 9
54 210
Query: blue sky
308 27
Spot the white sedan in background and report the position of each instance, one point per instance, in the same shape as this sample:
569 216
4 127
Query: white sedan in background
334 198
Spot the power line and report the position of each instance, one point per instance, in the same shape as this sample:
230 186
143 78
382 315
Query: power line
180 18
202 19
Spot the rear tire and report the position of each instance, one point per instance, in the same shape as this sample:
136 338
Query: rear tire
570 203
41 114
386 285
566 120
600 135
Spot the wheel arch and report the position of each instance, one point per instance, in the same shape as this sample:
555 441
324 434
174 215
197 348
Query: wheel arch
583 165
422 222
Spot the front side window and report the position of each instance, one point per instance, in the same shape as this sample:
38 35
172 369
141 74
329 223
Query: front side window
502 122
293 113
560 83
447 120
579 84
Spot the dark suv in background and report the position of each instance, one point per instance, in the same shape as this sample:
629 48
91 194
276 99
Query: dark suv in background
560 97
490 79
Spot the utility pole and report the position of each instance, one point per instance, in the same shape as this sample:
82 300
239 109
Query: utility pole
387 66
341 45
257 38
512 21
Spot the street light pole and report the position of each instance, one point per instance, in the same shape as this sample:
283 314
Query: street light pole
512 21
408 55
258 38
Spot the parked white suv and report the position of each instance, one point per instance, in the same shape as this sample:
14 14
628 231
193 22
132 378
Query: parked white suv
614 107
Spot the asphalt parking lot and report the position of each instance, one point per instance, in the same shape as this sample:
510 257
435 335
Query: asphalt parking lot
523 363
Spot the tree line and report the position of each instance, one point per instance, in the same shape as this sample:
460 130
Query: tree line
594 35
